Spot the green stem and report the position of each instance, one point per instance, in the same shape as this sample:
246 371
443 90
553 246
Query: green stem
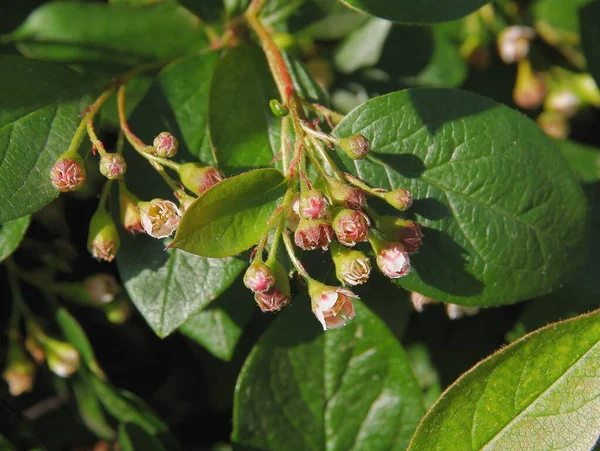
293 258
327 159
318 134
99 145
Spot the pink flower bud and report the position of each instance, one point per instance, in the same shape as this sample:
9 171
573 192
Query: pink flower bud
313 205
514 43
198 178
356 147
294 215
165 145
400 198
103 237
129 213
102 288
68 173
393 260
332 306
352 267
411 237
351 226
530 89
259 277
564 102
312 234
554 125
345 195
20 371
35 349
272 300
113 166
160 218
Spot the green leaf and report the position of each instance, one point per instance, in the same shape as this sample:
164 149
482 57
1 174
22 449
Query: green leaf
231 216
219 326
363 47
585 160
302 388
243 130
11 235
134 438
169 287
75 334
39 113
409 11
109 33
90 409
589 18
541 392
559 18
504 218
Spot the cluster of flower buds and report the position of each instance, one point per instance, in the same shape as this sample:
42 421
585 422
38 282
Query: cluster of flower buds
270 284
514 43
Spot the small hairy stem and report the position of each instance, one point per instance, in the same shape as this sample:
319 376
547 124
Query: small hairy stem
99 145
318 134
333 169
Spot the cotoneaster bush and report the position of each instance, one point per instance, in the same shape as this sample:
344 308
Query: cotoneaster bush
217 217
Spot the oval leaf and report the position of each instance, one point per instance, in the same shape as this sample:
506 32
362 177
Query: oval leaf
231 216
504 217
90 409
422 11
542 392
302 388
11 234
133 438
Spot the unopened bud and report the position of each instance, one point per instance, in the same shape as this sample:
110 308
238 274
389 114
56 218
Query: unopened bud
103 237
405 231
312 234
332 306
294 214
455 311
351 226
419 301
401 199
530 88
165 145
129 214
35 349
346 195
68 173
514 43
102 288
20 371
63 358
278 109
356 147
392 259
313 205
259 277
587 89
198 178
554 125
352 267
118 311
160 218
278 296
563 101
113 166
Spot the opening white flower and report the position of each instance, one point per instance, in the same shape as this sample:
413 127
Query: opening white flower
332 306
160 218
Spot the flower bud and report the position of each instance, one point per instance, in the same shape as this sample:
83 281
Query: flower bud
392 259
564 102
278 296
419 301
165 145
294 214
312 234
401 199
356 147
514 43
352 267
554 125
35 349
113 166
118 311
129 214
259 277
405 231
102 288
530 88
351 226
312 205
63 358
455 311
346 195
68 173
198 178
103 237
587 89
332 306
160 218
19 373
278 109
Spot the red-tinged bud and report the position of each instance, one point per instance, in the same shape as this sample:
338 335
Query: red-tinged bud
313 205
102 288
346 195
401 199
160 218
392 259
129 213
479 58
198 178
405 231
118 311
356 147
530 89
455 311
352 267
554 125
332 306
294 214
419 301
103 236
259 277
63 358
68 173
564 102
165 145
278 296
19 373
35 349
113 166
312 234
351 226
514 43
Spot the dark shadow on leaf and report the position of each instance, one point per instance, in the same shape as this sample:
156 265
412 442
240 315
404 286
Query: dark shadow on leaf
406 52
407 165
430 208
